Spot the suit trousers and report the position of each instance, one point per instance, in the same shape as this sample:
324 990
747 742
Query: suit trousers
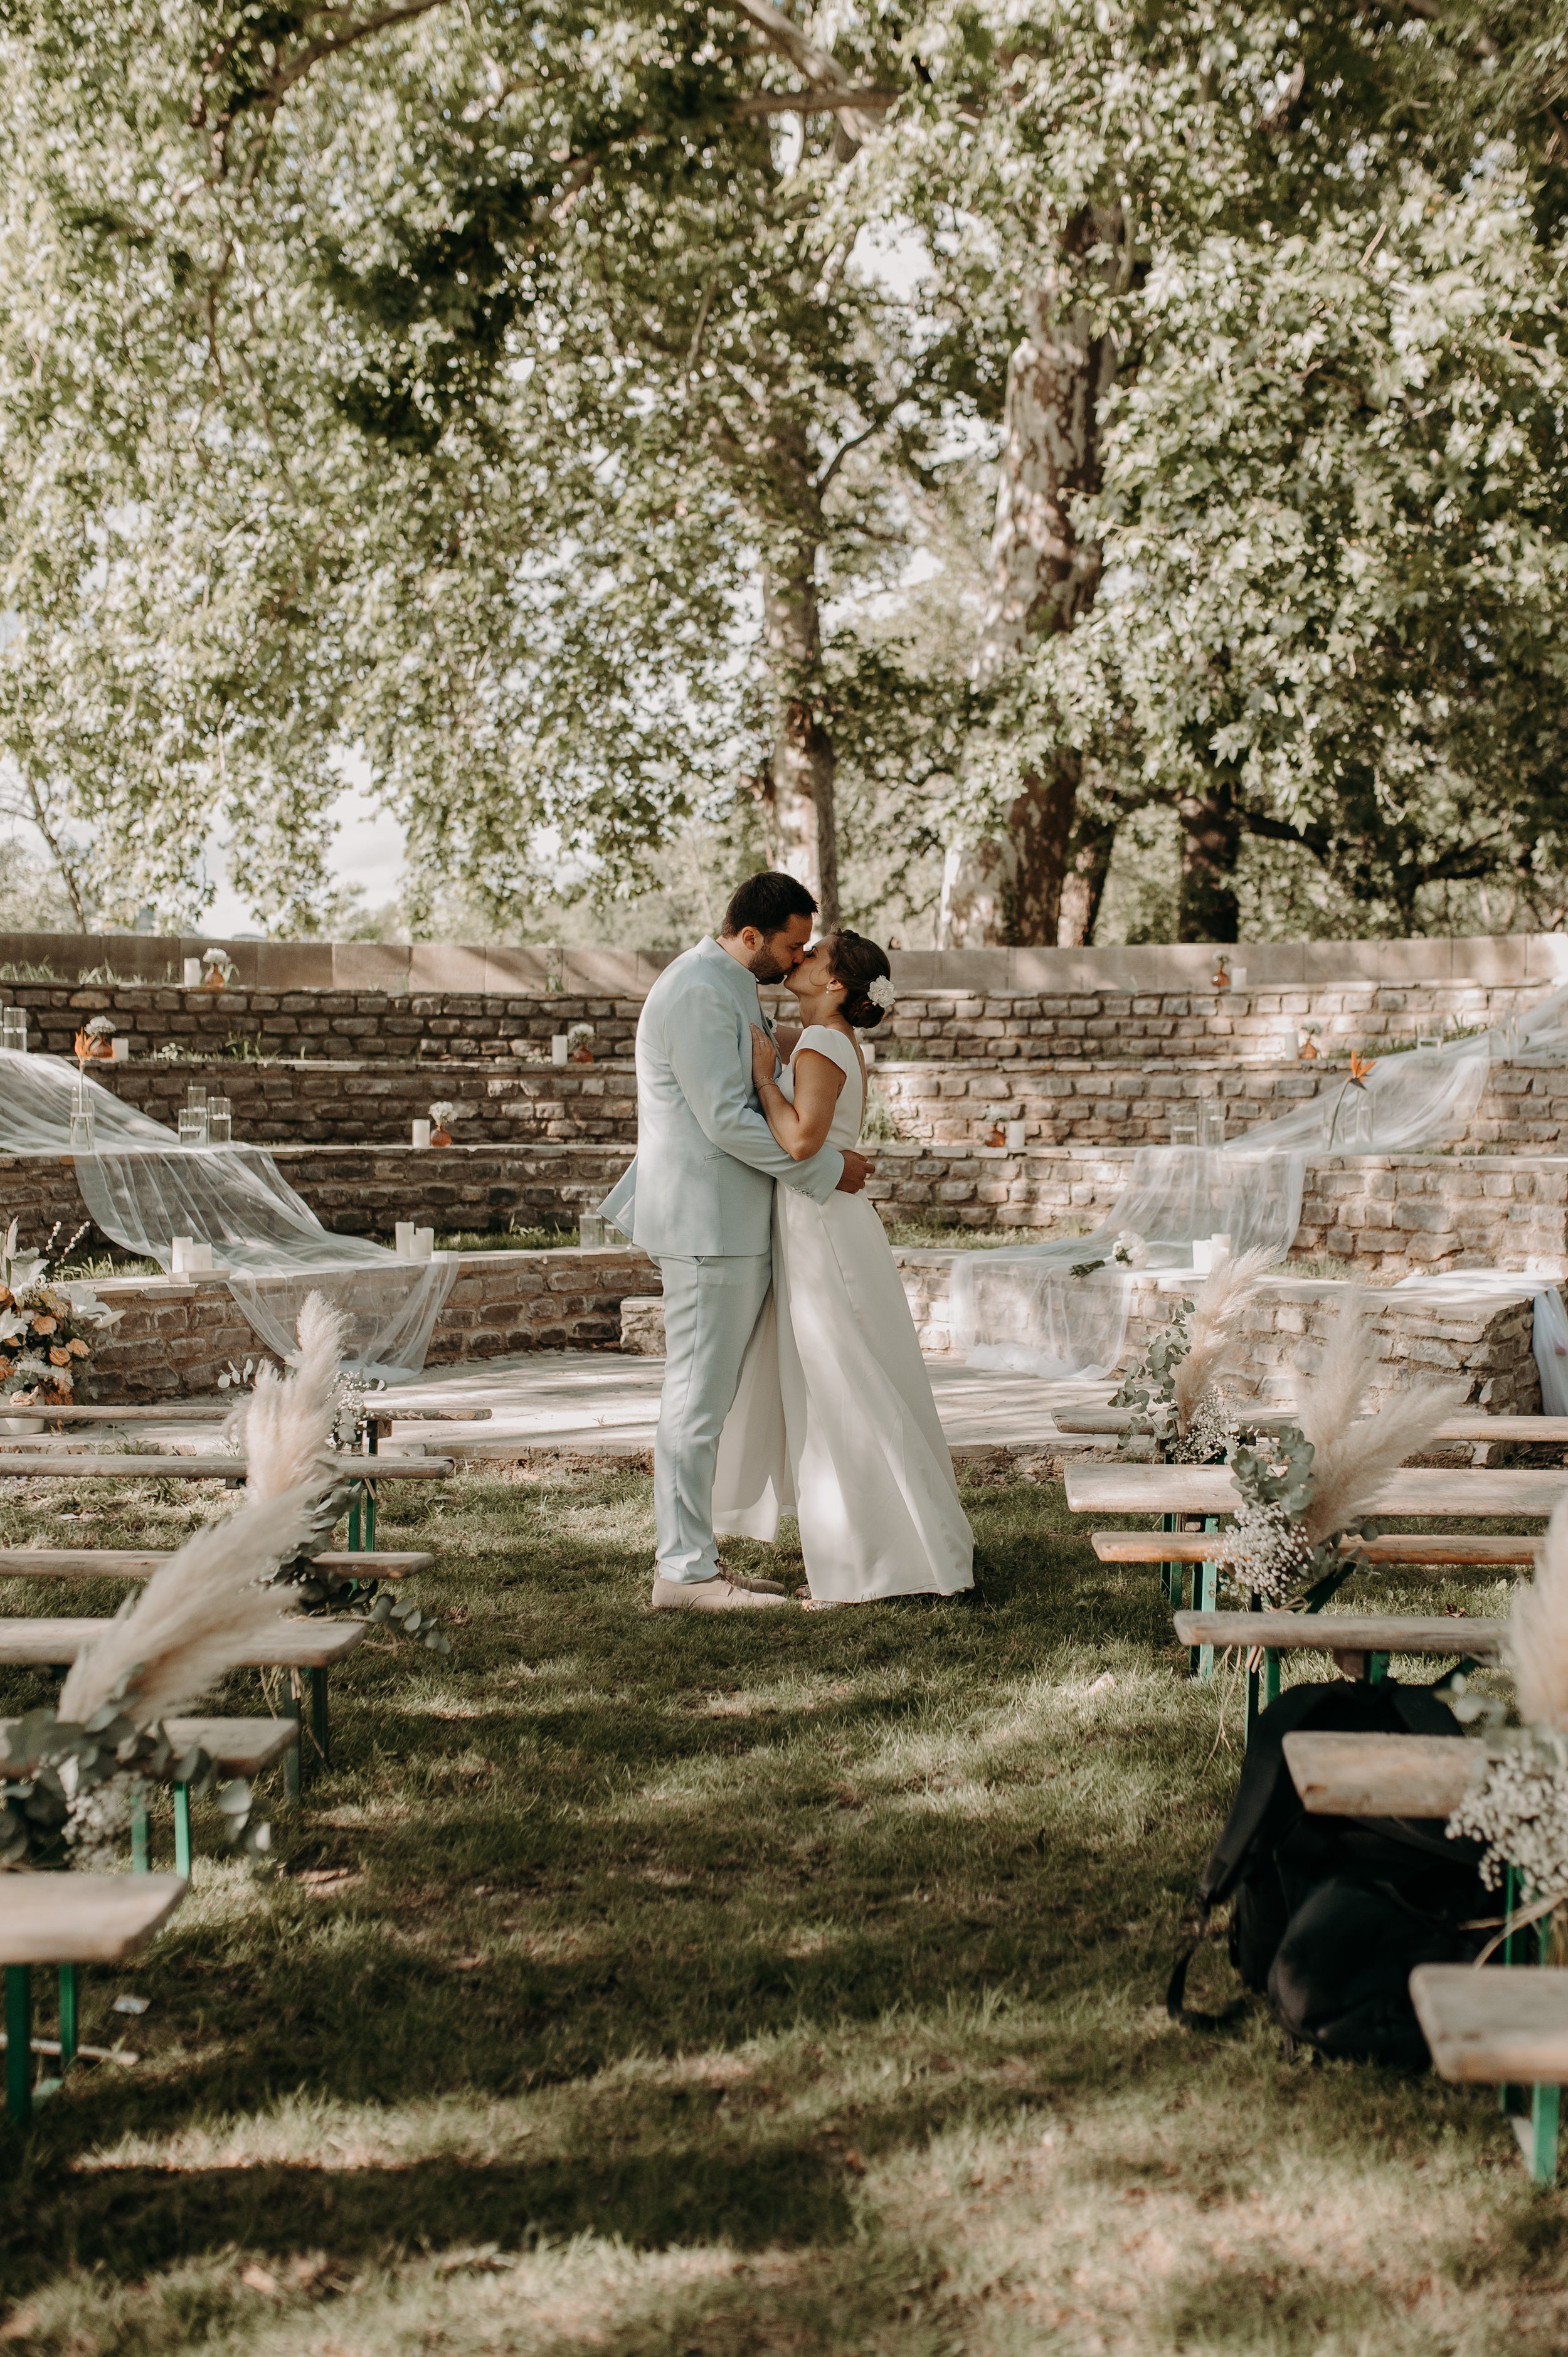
710 1305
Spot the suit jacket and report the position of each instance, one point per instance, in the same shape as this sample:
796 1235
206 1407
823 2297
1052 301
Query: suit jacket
706 1160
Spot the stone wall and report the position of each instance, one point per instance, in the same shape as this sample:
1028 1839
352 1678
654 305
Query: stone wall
1246 1027
178 1336
1484 1339
1390 1215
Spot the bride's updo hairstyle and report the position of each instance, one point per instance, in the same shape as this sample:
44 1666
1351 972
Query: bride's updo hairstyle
857 963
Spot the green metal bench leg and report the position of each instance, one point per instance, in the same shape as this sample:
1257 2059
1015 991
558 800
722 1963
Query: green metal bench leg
356 1544
141 1839
1171 1572
1377 1668
68 2017
1541 2150
182 1830
1206 1583
294 1757
320 1726
18 2044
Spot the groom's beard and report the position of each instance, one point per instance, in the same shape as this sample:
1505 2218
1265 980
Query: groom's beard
767 965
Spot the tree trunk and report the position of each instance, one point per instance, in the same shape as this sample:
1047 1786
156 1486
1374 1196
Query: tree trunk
1042 579
1211 841
803 834
1083 886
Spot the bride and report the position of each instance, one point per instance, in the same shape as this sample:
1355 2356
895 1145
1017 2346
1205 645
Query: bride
834 1420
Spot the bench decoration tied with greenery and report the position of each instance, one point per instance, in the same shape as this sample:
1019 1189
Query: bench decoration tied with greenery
300 1432
1305 1486
47 1332
1180 1414
1519 1805
72 1778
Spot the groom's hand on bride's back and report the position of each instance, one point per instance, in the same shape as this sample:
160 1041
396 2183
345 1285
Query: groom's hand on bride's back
856 1170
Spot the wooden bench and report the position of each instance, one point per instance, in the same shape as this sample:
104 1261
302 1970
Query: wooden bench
140 1562
239 1747
307 1648
1415 1548
67 1919
1382 1775
83 1467
1502 2028
217 1410
1549 1431
1422 1489
1359 1641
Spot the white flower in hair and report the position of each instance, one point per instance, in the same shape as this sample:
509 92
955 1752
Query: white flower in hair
882 993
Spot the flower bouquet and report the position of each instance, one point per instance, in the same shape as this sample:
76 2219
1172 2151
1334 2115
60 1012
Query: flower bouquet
442 1113
1307 1487
47 1332
95 1040
1180 1414
579 1037
1518 1806
221 969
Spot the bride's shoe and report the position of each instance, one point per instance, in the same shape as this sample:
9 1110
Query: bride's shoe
752 1579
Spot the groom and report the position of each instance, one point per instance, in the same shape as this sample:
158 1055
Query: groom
706 1166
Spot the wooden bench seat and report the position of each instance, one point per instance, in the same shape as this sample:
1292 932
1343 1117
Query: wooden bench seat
67 1466
1382 1775
1354 1639
69 1919
140 1562
292 1645
1502 2027
218 1411
1413 1547
1549 1431
1423 1489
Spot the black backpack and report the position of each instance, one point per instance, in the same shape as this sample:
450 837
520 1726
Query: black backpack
1330 1915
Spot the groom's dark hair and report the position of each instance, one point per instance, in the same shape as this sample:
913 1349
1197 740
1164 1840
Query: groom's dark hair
767 900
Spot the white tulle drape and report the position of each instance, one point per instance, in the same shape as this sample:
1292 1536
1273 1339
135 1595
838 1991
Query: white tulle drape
143 1189
1024 1309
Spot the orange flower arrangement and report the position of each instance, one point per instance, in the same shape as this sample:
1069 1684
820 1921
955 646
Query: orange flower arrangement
1361 1067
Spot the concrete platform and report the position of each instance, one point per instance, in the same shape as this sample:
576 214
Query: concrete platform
600 1401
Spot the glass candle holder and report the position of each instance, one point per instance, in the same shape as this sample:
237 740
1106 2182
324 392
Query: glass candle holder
219 1121
1184 1127
193 1125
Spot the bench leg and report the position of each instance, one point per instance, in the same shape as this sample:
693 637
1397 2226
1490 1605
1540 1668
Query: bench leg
294 1763
182 1830
319 1726
1207 1580
141 1839
18 2044
1541 2152
356 1544
1171 1572
68 2017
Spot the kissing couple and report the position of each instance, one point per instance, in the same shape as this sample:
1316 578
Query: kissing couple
793 1381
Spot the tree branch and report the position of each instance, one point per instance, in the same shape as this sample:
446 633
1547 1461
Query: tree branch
815 102
836 462
67 874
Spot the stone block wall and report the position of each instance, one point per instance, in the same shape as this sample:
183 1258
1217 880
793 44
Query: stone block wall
376 1103
332 1024
930 1023
178 1336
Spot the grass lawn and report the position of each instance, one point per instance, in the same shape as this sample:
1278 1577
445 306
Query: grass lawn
682 1987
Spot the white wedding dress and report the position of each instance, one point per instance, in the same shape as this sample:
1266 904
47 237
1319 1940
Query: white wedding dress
834 1420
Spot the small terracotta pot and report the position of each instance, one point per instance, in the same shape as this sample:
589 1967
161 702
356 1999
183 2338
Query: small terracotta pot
581 1055
216 980
440 1137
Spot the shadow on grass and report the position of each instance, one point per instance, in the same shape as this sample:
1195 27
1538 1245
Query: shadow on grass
126 2220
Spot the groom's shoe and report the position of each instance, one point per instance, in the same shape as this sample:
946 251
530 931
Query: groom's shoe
719 1594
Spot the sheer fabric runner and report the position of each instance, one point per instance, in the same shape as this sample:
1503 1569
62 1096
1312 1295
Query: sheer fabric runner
141 1188
1024 1309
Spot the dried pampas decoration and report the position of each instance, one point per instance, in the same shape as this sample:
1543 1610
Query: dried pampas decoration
197 1615
1214 1331
1351 1462
285 1426
1537 1636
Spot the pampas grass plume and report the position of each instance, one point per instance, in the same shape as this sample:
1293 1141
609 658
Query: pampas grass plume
197 1615
1538 1633
1351 1462
285 1426
1214 1329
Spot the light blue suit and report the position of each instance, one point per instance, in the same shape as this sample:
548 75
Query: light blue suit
704 1174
